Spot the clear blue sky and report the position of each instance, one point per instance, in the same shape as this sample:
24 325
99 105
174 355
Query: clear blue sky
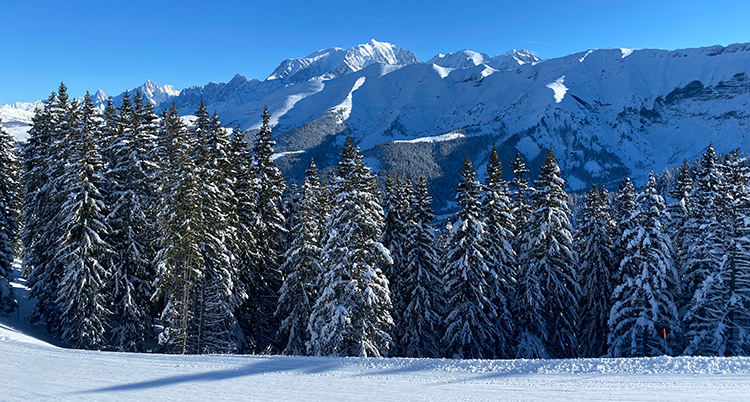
115 45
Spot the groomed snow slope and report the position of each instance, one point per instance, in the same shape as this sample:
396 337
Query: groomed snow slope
33 370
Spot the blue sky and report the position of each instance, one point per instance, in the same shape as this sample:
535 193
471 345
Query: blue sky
115 45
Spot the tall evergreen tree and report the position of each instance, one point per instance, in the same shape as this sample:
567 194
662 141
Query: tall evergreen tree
245 248
132 197
597 268
351 316
703 233
624 209
44 157
196 271
718 315
84 254
179 262
8 218
421 320
396 200
499 233
644 310
679 213
470 330
520 207
547 287
269 232
301 268
221 331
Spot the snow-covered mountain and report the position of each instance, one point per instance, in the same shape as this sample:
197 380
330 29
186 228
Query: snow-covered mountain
469 58
16 117
604 112
151 91
335 62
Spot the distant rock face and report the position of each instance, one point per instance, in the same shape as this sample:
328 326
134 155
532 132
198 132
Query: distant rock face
604 112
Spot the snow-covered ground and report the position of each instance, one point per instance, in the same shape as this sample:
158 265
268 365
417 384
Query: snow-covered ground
33 369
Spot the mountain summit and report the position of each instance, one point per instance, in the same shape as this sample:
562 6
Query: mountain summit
335 62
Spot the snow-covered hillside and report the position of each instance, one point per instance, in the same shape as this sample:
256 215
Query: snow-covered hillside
35 370
604 112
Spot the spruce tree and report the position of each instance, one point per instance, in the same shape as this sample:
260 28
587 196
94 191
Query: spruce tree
220 332
421 320
547 279
351 316
499 233
624 209
196 272
85 256
644 320
703 233
301 269
679 213
597 267
8 218
396 200
520 208
132 196
245 247
45 155
179 261
269 232
470 326
718 315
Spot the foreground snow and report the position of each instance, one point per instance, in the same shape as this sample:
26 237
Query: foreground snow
35 370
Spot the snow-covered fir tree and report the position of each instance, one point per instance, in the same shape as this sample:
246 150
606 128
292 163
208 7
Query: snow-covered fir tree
44 165
597 267
499 233
644 309
221 332
470 324
269 232
9 176
421 320
132 198
245 248
623 211
84 254
702 232
301 268
520 208
396 200
679 212
179 261
547 279
351 316
718 317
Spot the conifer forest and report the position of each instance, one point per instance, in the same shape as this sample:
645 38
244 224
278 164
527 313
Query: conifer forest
139 232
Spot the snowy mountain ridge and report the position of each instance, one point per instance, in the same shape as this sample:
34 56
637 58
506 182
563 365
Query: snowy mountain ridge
604 112
335 62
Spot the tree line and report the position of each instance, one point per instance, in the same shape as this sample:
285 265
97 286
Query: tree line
143 233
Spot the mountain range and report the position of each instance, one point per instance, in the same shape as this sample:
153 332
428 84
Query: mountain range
603 112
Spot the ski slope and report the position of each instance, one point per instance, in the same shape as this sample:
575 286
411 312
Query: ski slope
34 369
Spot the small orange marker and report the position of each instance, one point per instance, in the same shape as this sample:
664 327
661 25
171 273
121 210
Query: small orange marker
665 332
